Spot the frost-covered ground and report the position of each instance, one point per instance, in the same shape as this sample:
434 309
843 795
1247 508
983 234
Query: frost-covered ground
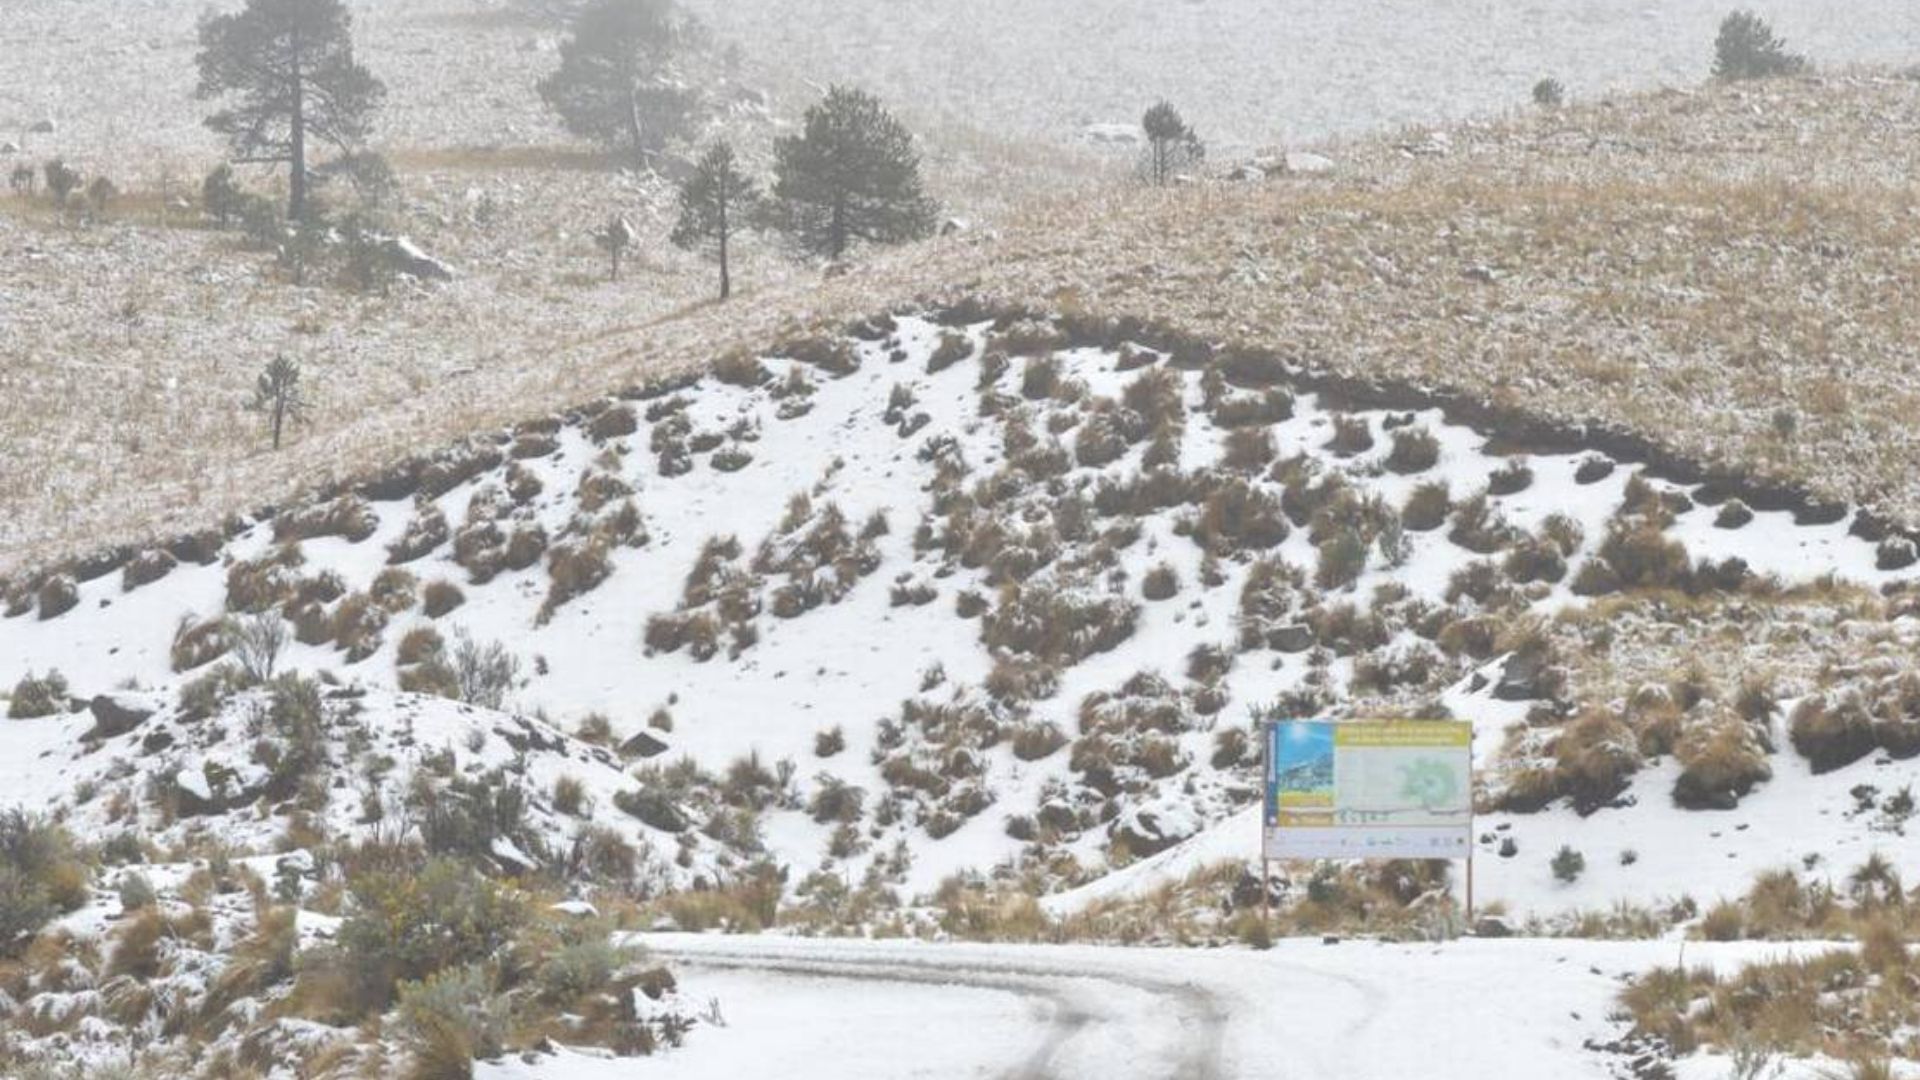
1491 1010
1252 73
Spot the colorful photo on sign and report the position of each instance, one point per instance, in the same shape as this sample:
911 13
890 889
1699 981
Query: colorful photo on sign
1303 766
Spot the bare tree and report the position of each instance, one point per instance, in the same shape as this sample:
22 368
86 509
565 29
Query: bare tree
257 642
614 239
278 396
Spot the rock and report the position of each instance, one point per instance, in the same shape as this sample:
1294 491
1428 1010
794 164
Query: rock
1492 926
643 744
1297 638
1153 828
1112 134
43 127
1297 163
407 258
118 713
9 148
954 225
1520 677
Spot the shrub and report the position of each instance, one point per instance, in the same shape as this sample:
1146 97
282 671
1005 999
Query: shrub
57 596
1511 479
1832 734
197 644
448 1020
1427 507
257 642
1033 742
485 672
1342 558
1720 762
1352 435
1549 93
441 597
1414 450
407 925
40 877
828 742
1160 583
835 800
569 796
1568 864
1248 449
37 696
1747 48
1641 556
1596 756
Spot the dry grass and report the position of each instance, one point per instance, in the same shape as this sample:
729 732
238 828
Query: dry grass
1656 235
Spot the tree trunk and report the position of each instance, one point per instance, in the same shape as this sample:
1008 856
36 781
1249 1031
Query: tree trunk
634 129
297 196
837 231
279 418
726 280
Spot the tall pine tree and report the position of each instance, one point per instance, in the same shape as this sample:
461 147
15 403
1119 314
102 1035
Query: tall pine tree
714 203
289 66
852 174
619 79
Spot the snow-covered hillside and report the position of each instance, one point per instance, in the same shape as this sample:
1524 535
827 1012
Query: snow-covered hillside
940 598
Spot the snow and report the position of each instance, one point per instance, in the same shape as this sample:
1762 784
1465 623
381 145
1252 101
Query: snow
1358 1010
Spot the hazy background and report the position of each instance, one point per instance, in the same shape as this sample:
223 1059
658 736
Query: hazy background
1261 71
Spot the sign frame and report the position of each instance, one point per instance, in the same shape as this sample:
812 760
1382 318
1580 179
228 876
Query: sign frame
1305 814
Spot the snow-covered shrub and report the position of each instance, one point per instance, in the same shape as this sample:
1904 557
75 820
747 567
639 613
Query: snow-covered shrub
1721 760
485 672
35 696
1352 435
1415 449
348 517
1595 756
1832 731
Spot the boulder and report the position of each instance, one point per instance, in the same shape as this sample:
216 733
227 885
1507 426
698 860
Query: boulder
1155 827
407 258
1492 926
1297 638
44 126
643 744
117 714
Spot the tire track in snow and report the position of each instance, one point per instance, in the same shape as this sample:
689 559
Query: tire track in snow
1059 988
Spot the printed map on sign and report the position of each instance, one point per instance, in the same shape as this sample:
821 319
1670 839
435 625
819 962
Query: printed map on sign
1369 789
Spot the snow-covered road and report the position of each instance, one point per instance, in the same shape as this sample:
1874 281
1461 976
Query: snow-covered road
1491 1010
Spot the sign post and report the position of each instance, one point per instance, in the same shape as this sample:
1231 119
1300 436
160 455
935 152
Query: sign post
1369 789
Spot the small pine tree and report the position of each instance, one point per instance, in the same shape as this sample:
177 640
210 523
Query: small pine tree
62 182
1747 48
853 174
220 195
1549 93
278 396
100 196
714 202
1568 864
1171 144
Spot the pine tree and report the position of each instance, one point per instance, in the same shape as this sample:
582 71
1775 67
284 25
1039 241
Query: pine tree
1747 48
619 80
277 395
290 65
1171 144
714 202
853 174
